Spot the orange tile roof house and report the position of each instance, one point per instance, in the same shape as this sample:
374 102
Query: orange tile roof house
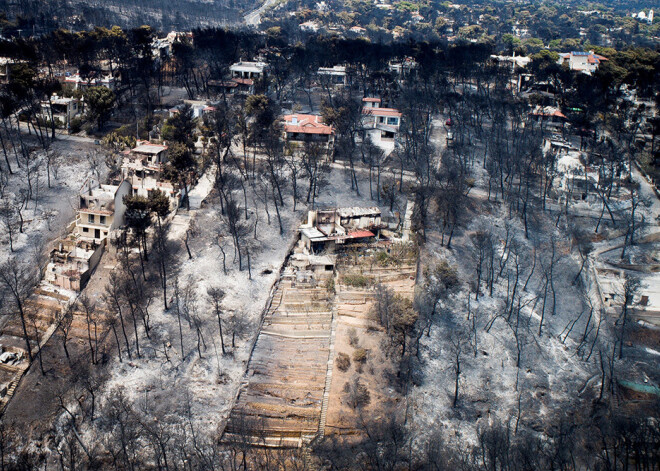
548 115
301 128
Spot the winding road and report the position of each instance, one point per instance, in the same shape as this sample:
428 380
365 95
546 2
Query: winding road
253 18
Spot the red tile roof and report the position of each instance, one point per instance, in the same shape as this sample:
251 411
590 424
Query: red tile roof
306 124
371 100
548 112
381 112
360 234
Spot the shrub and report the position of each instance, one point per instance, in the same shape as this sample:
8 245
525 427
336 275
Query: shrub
75 126
357 394
360 355
330 284
383 259
343 362
357 281
353 339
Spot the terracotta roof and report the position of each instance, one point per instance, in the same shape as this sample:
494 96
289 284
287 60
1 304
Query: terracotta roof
549 112
381 112
306 124
371 100
360 234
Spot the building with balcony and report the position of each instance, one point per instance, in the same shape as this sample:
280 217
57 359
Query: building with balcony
101 209
143 167
381 124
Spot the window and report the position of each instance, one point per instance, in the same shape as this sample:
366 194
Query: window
393 121
85 229
102 219
381 119
90 218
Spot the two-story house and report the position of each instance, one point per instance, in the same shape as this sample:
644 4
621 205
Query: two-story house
62 109
306 128
382 124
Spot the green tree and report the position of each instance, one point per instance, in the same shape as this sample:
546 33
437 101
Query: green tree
183 163
159 204
138 219
99 102
180 128
262 113
510 43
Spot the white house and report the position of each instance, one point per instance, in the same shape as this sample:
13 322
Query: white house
382 124
248 70
335 75
77 82
585 62
101 209
62 108
310 26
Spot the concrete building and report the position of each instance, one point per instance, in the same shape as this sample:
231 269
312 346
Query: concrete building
199 108
63 109
72 263
143 167
77 82
248 70
335 75
101 209
5 68
309 26
402 67
328 230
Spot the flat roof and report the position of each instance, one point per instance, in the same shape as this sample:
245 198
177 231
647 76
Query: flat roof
313 233
358 212
249 66
149 149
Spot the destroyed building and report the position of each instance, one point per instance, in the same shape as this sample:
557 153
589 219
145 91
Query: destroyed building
143 167
72 262
326 230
